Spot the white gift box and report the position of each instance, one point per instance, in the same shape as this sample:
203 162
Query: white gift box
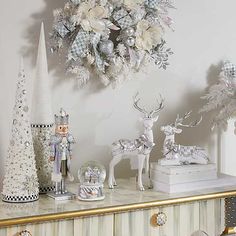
176 179
182 174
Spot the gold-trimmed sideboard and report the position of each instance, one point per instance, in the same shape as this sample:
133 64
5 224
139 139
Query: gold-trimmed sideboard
124 212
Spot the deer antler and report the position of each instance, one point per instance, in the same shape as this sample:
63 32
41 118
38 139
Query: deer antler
161 106
179 121
136 106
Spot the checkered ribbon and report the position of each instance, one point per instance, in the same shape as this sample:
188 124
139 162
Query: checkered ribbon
123 18
76 2
79 48
69 26
95 38
229 69
61 29
152 3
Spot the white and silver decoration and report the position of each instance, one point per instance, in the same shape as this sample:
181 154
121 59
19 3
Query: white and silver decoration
175 154
137 150
91 177
106 47
221 97
96 28
20 182
42 118
61 156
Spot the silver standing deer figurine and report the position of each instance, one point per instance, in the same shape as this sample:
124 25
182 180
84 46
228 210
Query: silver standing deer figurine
139 148
175 154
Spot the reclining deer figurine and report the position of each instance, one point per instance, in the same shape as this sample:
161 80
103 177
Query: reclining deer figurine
139 148
175 154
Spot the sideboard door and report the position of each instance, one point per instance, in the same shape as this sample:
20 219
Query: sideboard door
94 226
181 220
59 228
212 216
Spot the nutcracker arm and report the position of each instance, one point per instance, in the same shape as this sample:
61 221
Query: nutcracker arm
71 140
70 149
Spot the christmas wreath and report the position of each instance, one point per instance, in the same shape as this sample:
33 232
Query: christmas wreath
110 37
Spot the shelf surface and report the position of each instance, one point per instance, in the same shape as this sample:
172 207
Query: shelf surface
125 197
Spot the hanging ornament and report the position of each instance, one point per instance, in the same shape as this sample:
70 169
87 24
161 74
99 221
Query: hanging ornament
129 31
130 41
106 47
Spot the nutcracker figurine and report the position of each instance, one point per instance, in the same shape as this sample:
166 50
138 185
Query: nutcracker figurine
61 154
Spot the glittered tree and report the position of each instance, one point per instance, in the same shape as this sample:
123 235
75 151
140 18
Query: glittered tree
221 96
20 182
42 118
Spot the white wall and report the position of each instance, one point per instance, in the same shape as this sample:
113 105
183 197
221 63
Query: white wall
204 35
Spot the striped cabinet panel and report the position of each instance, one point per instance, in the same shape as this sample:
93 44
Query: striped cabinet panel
182 220
94 226
212 216
59 228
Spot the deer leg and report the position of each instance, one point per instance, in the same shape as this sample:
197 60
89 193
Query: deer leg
141 159
111 180
147 172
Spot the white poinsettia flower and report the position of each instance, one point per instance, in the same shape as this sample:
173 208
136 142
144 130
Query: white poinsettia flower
147 35
92 17
132 4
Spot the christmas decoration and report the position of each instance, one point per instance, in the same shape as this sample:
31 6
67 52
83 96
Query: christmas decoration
61 154
42 118
221 96
91 176
140 147
175 154
110 37
20 182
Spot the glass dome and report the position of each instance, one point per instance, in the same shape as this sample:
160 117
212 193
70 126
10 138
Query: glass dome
92 172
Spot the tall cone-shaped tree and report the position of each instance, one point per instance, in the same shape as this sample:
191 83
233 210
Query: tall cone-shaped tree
42 118
20 181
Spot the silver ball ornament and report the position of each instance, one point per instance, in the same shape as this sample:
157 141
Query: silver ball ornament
106 47
27 143
129 31
110 8
130 41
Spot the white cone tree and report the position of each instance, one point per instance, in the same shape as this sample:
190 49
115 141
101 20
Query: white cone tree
20 182
42 118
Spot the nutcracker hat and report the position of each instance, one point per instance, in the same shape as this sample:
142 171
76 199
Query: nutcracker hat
62 119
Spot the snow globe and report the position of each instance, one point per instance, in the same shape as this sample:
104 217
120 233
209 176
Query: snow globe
91 177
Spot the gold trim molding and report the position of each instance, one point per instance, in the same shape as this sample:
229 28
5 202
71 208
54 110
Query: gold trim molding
113 209
229 231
